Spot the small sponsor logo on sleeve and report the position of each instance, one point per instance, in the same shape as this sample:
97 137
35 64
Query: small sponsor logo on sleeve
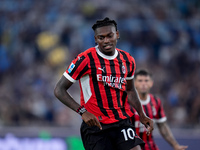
71 68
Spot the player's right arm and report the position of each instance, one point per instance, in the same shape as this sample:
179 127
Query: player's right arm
62 94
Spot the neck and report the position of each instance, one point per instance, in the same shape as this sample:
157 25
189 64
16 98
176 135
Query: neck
143 96
105 55
108 53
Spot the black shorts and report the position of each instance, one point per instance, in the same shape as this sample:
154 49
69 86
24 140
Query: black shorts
116 136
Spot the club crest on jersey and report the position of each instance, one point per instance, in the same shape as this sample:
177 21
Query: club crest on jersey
123 69
71 67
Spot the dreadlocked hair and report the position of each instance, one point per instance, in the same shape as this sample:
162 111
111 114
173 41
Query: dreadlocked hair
105 22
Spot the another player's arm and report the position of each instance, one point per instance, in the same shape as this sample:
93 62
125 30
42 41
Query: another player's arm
168 136
134 101
61 93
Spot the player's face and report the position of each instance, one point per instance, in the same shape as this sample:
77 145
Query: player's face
106 37
143 84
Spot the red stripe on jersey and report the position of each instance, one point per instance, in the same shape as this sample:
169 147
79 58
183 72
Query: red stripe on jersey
137 124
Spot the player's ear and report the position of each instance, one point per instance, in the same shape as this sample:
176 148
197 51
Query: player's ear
151 83
118 36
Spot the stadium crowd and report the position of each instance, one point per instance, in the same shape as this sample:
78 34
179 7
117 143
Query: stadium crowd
38 39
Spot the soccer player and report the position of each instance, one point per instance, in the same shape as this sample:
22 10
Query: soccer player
153 108
105 74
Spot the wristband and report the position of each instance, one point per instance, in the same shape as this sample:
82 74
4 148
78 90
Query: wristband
81 110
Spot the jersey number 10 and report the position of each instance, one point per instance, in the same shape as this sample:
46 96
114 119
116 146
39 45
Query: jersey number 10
128 133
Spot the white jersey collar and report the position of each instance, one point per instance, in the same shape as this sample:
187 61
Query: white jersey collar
145 102
106 56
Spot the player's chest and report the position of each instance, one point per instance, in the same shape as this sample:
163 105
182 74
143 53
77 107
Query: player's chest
111 73
150 110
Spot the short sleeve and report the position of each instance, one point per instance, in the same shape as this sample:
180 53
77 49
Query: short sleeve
160 115
77 68
132 68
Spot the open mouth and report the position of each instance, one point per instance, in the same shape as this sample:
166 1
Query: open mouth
107 47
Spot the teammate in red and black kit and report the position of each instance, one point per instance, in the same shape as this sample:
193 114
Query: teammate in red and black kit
153 108
105 74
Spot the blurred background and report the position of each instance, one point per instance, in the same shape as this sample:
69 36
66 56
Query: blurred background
39 38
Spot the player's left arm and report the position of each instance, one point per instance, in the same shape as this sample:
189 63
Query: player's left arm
168 136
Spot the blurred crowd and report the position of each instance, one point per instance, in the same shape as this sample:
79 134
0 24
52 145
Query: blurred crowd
38 40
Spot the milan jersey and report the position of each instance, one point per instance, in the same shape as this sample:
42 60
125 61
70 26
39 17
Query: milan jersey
103 82
154 110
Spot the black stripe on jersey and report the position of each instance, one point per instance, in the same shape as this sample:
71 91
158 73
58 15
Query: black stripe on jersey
151 109
156 100
127 61
146 110
124 97
96 87
118 97
82 72
107 89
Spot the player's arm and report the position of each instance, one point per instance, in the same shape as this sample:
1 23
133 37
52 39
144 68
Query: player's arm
61 93
168 136
134 101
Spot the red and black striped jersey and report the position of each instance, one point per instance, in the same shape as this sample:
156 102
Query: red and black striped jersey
154 110
103 82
